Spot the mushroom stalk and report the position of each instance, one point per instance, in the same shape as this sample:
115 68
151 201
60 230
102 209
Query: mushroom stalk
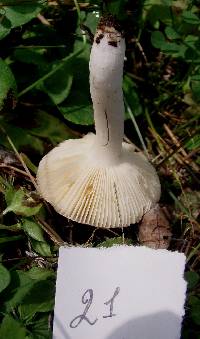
106 74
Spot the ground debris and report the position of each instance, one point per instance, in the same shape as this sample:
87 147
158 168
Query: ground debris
8 158
154 229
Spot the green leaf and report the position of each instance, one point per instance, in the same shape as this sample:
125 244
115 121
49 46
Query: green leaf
7 83
58 87
41 247
38 273
19 203
193 300
4 240
49 127
157 12
24 290
195 85
191 56
40 126
191 40
33 230
194 303
5 26
12 328
39 299
171 33
109 242
192 279
117 8
22 138
158 39
12 228
59 66
190 18
195 77
11 192
40 328
92 19
31 56
20 14
174 49
77 108
194 306
78 113
19 286
193 143
4 278
131 95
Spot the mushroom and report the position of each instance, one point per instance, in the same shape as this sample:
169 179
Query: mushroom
99 180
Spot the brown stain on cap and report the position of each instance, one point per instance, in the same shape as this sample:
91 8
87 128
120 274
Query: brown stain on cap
108 24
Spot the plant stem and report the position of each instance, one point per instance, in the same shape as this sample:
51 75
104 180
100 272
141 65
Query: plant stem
154 132
136 128
79 17
46 76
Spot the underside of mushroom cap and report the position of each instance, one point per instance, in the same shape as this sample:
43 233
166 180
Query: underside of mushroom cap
107 195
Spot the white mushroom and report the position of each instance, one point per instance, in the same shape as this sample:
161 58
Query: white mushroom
99 180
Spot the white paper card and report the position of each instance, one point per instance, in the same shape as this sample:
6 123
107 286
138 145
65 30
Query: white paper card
122 292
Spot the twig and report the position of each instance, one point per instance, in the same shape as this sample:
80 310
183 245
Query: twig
15 169
153 131
23 163
173 154
138 44
180 148
50 231
193 252
28 258
43 20
32 179
134 76
195 262
113 232
36 46
90 238
175 140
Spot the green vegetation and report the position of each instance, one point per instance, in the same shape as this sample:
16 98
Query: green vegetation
44 99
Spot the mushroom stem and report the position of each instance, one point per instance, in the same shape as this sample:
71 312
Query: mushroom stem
106 74
99 180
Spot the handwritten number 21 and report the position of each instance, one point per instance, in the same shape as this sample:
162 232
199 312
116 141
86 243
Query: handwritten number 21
87 299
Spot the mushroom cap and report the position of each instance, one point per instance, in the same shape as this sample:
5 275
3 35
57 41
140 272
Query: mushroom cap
101 194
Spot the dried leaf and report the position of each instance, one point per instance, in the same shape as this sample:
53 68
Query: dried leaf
20 203
154 229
